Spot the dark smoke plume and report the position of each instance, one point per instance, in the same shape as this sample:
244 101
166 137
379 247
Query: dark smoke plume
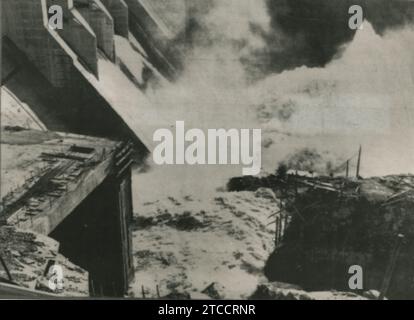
310 32
303 32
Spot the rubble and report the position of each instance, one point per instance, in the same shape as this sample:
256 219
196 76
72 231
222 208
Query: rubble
329 224
336 223
273 291
215 291
27 256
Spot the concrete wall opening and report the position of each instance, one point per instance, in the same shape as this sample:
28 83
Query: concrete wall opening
95 236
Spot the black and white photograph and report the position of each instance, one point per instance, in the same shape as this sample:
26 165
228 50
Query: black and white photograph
231 150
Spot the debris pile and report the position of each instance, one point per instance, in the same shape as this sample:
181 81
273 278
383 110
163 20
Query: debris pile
280 291
336 223
27 256
219 252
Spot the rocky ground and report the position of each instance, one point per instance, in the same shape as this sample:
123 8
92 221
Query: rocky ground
188 245
214 248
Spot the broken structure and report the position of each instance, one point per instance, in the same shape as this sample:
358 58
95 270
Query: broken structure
76 190
324 225
336 223
68 196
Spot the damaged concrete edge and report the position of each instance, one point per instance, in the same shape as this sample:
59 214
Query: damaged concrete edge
60 208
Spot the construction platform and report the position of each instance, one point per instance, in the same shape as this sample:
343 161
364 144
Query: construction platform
74 191
45 175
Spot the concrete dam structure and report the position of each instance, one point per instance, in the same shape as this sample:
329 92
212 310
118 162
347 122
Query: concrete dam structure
63 75
68 142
